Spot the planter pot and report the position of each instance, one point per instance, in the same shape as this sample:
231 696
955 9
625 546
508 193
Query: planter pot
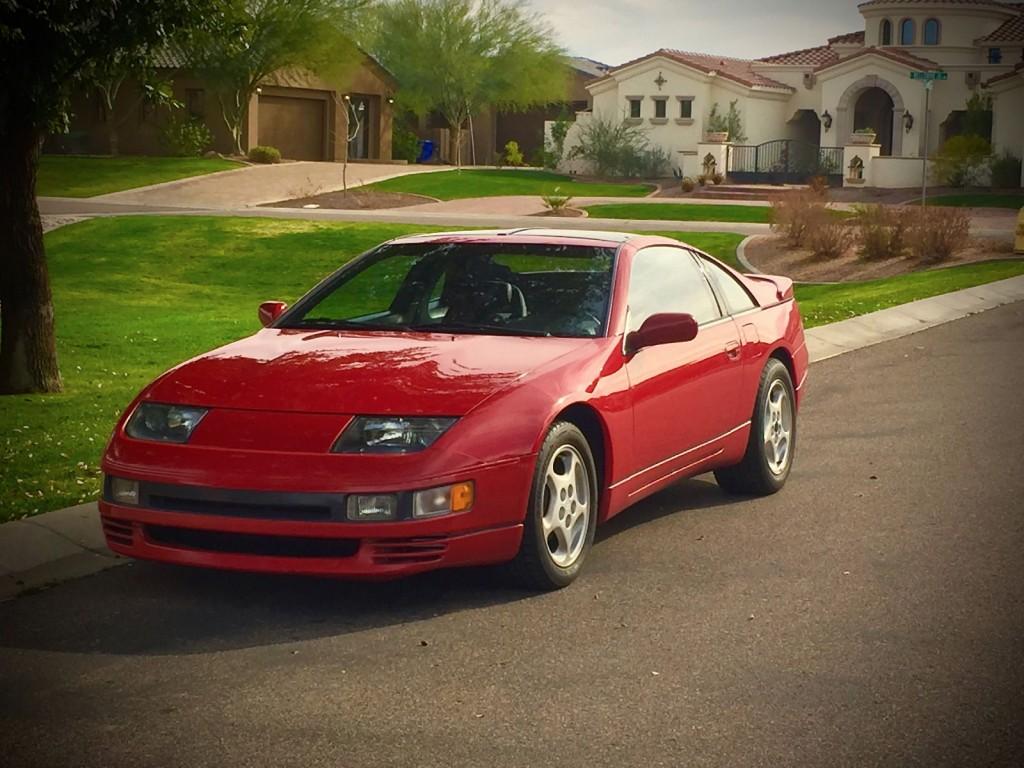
862 138
717 137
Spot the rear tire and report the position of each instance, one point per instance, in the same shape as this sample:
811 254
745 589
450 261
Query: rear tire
562 514
772 443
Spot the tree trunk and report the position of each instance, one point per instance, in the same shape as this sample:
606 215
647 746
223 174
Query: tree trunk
28 353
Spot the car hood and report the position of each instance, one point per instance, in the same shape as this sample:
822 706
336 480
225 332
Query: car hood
358 372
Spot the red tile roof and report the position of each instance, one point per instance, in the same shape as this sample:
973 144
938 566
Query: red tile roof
850 38
1011 31
1018 70
821 55
993 3
737 70
893 54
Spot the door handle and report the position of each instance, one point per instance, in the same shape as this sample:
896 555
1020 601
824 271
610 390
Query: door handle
732 349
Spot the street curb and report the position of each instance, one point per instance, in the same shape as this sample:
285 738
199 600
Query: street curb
68 543
741 256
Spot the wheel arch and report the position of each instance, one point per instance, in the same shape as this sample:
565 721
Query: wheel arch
785 357
587 419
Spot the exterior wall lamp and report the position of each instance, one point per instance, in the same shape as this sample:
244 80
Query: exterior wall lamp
826 120
908 121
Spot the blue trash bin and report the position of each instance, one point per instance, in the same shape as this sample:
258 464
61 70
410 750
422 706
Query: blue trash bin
426 151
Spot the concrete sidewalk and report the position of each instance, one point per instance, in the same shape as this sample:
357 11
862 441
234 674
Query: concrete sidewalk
56 546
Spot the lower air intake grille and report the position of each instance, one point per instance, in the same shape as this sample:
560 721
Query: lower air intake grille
118 532
398 551
249 543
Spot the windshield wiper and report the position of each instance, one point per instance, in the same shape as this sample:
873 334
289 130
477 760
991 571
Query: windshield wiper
323 323
482 328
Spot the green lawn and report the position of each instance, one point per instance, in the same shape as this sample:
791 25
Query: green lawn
457 185
751 214
89 175
981 200
136 295
821 304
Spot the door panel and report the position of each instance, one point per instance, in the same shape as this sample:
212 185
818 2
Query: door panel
686 394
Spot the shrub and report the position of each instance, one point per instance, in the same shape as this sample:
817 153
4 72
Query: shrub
513 156
935 234
963 160
717 178
265 155
731 123
613 148
882 232
559 130
405 145
688 184
544 158
555 202
819 186
186 137
1006 172
793 214
826 236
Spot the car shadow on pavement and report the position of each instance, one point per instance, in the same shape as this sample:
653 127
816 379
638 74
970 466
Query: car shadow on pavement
153 609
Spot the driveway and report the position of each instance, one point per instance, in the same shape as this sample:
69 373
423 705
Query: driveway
868 615
257 184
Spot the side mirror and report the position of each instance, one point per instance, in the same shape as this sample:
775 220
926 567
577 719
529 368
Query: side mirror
270 311
665 328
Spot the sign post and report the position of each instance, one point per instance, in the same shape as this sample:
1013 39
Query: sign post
929 79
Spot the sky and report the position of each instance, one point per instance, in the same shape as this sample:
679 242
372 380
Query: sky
615 31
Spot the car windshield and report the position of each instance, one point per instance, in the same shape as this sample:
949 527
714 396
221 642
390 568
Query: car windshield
475 288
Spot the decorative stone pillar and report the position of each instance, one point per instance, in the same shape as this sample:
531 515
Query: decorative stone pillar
857 161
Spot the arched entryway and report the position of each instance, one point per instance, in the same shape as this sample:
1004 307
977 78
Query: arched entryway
873 102
874 109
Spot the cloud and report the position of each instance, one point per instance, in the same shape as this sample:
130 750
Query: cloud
615 31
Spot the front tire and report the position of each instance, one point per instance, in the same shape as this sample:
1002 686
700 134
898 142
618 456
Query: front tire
562 514
770 449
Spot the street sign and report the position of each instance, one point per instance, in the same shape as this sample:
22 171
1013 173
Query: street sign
929 76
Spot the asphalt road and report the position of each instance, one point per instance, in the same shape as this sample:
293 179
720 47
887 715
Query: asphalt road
872 614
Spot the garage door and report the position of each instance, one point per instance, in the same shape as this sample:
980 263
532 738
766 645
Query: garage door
295 126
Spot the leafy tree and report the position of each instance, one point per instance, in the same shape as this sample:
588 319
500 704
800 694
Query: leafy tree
111 75
254 38
50 49
459 56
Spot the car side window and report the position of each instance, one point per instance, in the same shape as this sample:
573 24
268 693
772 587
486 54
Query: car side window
736 296
665 279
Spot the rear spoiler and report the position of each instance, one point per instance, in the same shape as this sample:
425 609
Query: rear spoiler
771 289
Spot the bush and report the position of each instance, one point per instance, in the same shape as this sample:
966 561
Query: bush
265 155
963 160
405 145
688 184
826 236
717 178
883 232
187 137
731 123
703 179
613 148
1006 172
935 234
555 202
544 158
793 214
819 186
513 156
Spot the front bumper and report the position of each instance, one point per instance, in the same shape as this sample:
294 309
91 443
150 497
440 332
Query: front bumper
290 530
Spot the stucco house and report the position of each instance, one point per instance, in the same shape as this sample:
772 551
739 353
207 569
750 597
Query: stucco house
304 116
801 110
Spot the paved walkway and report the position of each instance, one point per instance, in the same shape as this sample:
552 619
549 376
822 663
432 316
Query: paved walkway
256 184
68 543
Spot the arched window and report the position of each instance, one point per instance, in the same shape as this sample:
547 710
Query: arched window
886 34
932 32
907 32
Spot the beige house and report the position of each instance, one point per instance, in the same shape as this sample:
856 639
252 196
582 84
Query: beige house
304 116
801 110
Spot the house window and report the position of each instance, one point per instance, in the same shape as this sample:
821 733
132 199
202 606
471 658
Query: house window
995 55
932 32
195 101
659 108
686 109
886 33
908 31
634 107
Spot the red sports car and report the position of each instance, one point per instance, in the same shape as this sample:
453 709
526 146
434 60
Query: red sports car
462 399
